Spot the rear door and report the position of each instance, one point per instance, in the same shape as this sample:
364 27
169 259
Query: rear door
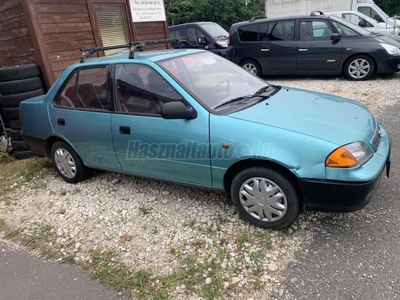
317 52
277 47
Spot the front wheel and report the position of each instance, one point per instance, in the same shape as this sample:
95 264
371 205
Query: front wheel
251 66
265 198
360 67
68 163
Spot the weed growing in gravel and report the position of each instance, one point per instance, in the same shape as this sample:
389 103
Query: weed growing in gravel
62 211
144 210
256 257
63 192
244 238
69 259
5 157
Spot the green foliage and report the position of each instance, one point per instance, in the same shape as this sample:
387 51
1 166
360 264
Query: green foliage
223 12
391 7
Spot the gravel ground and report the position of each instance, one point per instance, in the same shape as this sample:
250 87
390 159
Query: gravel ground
162 227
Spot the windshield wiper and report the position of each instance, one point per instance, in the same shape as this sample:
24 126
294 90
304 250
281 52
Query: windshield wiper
260 93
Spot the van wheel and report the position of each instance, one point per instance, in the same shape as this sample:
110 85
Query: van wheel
251 66
265 197
359 67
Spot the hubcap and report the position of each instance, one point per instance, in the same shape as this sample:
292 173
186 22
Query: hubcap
263 199
250 68
65 163
359 68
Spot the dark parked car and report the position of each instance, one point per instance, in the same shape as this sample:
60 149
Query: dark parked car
201 35
311 45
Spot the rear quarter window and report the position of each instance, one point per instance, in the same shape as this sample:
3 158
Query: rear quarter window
248 33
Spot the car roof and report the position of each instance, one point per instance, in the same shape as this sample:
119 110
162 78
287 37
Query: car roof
123 56
190 23
261 20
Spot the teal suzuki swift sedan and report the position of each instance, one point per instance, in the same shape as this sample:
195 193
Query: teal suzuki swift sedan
193 117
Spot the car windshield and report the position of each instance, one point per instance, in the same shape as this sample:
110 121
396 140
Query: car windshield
214 81
215 30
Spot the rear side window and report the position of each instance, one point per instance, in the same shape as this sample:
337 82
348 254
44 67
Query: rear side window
173 34
85 89
277 31
248 33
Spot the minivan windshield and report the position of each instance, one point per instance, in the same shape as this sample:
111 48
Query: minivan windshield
219 85
215 30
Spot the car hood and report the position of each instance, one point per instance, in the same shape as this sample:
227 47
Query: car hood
323 116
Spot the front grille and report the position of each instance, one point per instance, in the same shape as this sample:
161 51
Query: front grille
376 139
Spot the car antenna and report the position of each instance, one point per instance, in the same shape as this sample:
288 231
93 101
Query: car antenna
132 46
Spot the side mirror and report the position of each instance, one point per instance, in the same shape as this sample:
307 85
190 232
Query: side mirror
362 23
177 110
336 37
203 40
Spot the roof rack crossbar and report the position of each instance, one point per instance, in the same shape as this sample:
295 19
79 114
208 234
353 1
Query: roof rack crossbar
133 46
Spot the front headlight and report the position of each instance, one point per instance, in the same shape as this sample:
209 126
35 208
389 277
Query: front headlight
390 49
348 156
223 44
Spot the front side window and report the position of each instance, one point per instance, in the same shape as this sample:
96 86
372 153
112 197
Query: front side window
194 35
85 89
314 30
141 90
368 11
344 30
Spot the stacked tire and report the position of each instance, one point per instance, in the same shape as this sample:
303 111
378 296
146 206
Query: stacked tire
17 84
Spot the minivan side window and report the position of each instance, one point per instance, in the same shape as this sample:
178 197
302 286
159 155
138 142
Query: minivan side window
277 31
314 30
248 33
344 30
193 35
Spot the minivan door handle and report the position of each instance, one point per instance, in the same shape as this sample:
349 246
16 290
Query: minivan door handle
303 49
124 130
264 49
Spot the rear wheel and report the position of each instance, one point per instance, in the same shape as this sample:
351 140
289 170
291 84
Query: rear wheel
359 67
265 197
68 163
251 66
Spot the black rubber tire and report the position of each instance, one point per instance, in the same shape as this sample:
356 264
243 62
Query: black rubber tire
360 58
80 173
20 86
293 199
11 113
15 99
15 124
251 66
15 135
19 145
19 72
23 154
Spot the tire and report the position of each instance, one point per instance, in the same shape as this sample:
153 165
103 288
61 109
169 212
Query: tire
15 124
15 135
282 213
251 66
15 100
20 86
19 145
359 67
19 72
23 154
68 163
11 113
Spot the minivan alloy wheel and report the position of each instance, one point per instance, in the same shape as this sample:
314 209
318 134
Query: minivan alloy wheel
360 67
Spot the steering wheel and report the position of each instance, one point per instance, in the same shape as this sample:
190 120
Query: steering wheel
219 84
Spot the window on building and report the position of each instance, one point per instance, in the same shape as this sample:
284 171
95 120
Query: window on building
112 25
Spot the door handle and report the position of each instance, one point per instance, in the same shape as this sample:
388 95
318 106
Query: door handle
264 49
303 49
61 122
124 130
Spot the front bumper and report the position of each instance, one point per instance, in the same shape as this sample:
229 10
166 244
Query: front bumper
347 196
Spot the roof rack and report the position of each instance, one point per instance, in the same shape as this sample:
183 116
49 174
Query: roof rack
133 46
257 18
316 13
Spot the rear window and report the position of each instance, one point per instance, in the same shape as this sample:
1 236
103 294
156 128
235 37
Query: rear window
248 33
